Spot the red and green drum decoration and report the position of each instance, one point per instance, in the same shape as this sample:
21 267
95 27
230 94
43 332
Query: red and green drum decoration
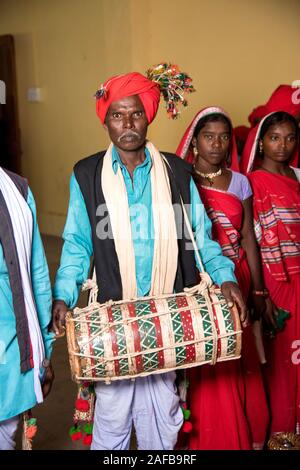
120 340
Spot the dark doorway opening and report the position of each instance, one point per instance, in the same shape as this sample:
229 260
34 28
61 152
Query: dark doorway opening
10 145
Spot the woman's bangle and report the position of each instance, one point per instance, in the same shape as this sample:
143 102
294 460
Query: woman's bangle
261 293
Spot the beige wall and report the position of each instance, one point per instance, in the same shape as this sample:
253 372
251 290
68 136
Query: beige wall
237 51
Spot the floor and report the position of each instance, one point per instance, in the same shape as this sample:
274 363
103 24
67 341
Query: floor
54 417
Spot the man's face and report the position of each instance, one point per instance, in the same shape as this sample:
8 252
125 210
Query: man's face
127 124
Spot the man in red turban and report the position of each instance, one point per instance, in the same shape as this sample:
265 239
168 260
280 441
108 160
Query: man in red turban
121 213
129 84
257 114
284 98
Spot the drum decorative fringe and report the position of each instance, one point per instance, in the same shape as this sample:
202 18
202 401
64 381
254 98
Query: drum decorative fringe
150 335
284 441
29 430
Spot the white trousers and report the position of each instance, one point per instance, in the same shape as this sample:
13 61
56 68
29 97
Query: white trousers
150 403
8 429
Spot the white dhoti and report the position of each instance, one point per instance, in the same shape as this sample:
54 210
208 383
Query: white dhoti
8 429
150 403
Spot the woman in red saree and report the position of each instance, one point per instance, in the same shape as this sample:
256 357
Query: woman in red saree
284 98
275 183
227 401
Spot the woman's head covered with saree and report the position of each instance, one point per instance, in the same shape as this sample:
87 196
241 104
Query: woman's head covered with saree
209 114
253 152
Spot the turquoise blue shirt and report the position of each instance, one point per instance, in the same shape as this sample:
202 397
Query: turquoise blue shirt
78 248
17 389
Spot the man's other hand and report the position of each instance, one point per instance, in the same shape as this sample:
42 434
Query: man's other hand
47 380
232 294
59 312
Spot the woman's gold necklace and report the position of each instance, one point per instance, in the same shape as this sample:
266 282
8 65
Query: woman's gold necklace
209 176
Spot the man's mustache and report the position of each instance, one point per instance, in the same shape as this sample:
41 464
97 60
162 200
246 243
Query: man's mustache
129 134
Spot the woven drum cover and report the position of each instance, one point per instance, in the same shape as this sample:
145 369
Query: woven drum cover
151 335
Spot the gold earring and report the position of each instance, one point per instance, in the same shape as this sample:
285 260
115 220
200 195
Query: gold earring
195 151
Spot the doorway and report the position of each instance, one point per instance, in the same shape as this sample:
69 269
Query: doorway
10 144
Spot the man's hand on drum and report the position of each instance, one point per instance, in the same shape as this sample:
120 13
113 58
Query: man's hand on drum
232 294
59 312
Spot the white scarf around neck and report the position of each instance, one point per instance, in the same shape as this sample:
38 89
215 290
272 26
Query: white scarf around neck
164 266
22 223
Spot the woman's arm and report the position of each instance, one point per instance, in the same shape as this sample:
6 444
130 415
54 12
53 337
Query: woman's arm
262 306
249 244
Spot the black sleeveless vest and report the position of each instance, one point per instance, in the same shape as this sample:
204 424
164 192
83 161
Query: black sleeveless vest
10 254
88 175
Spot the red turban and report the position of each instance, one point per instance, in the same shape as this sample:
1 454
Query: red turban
130 84
241 132
257 114
284 98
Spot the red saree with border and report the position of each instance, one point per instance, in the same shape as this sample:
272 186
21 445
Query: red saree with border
277 226
227 401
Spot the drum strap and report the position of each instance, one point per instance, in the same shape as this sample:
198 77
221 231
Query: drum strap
165 252
204 275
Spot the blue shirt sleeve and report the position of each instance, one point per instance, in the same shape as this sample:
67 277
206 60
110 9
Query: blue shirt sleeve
219 267
40 281
77 249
